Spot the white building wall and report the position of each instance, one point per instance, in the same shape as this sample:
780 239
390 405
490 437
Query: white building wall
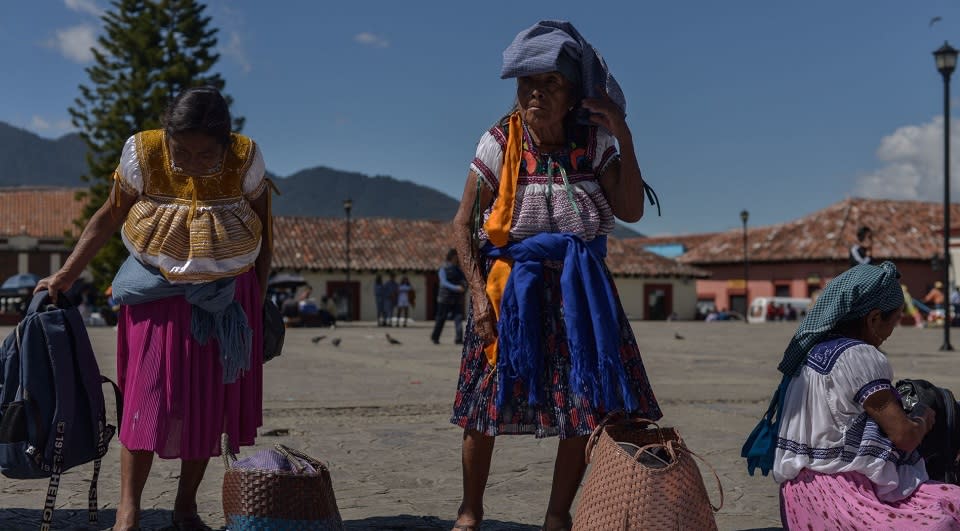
368 305
629 288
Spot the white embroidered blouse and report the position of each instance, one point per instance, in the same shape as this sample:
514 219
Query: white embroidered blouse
826 429
556 192
193 228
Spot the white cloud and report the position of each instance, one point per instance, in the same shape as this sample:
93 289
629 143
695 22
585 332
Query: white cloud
75 42
371 39
237 51
84 6
39 124
912 164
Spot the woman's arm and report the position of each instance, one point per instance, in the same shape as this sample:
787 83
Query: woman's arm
621 181
106 221
484 321
905 432
261 206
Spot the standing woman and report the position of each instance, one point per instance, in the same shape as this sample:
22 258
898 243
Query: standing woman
405 297
193 209
548 350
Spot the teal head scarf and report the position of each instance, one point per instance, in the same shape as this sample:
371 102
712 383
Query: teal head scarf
851 295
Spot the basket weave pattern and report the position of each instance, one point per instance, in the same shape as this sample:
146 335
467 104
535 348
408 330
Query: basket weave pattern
278 500
621 493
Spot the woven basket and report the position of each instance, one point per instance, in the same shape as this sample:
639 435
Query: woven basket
643 478
301 499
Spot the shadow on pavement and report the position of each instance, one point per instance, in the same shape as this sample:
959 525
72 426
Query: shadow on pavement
406 522
17 519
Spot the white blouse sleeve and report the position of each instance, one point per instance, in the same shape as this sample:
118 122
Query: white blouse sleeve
860 372
128 174
606 152
488 161
254 182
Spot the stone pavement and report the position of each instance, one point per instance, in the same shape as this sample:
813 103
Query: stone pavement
378 415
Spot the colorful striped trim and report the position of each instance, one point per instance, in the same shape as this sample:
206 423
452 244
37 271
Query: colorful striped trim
871 387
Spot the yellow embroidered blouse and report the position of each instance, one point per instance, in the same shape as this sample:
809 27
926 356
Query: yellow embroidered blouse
193 228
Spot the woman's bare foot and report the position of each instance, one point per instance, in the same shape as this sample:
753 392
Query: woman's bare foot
467 520
128 519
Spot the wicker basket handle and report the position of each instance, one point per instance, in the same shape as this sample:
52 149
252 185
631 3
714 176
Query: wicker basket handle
296 458
228 456
684 448
595 436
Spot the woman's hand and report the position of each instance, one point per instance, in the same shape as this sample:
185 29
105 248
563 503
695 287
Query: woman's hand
906 433
54 284
605 113
484 320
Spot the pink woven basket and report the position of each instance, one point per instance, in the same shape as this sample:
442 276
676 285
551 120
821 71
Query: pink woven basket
643 478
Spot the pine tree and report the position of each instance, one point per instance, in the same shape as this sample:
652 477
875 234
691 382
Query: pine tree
150 50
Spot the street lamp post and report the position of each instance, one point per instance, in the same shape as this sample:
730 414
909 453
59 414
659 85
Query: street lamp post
946 59
347 206
744 216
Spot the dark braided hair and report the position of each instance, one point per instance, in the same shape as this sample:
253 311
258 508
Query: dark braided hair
200 109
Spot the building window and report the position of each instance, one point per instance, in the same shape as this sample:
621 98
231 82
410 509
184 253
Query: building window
781 290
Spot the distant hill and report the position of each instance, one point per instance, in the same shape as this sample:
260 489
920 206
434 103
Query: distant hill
320 192
27 159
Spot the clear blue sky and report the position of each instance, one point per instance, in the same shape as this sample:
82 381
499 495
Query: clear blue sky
778 107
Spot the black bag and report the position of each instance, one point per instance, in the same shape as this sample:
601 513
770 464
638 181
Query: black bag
273 331
939 448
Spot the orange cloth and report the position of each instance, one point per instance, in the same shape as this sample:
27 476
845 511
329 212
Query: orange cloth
498 224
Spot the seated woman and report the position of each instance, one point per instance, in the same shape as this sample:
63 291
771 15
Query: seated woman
846 456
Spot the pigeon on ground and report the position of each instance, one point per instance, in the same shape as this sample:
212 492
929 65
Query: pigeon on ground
676 335
393 341
318 339
335 341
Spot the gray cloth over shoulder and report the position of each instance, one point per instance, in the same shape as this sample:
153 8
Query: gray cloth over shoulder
541 48
214 310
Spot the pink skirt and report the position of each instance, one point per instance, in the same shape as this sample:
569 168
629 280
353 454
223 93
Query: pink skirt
814 502
174 401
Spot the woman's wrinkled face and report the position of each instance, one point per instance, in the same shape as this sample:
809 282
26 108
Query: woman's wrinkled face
195 153
545 99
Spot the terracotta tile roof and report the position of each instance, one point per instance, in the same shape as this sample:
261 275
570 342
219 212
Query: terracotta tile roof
38 212
688 241
376 244
901 230
629 258
381 244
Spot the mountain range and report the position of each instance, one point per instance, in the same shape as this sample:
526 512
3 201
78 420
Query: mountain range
30 160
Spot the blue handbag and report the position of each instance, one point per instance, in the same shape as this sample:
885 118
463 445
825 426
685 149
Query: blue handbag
761 445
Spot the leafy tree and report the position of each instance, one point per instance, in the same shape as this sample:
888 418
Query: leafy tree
149 51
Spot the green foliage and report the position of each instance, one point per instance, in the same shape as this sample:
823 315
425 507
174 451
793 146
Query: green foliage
149 51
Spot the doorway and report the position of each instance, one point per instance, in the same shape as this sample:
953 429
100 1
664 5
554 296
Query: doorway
346 295
658 300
